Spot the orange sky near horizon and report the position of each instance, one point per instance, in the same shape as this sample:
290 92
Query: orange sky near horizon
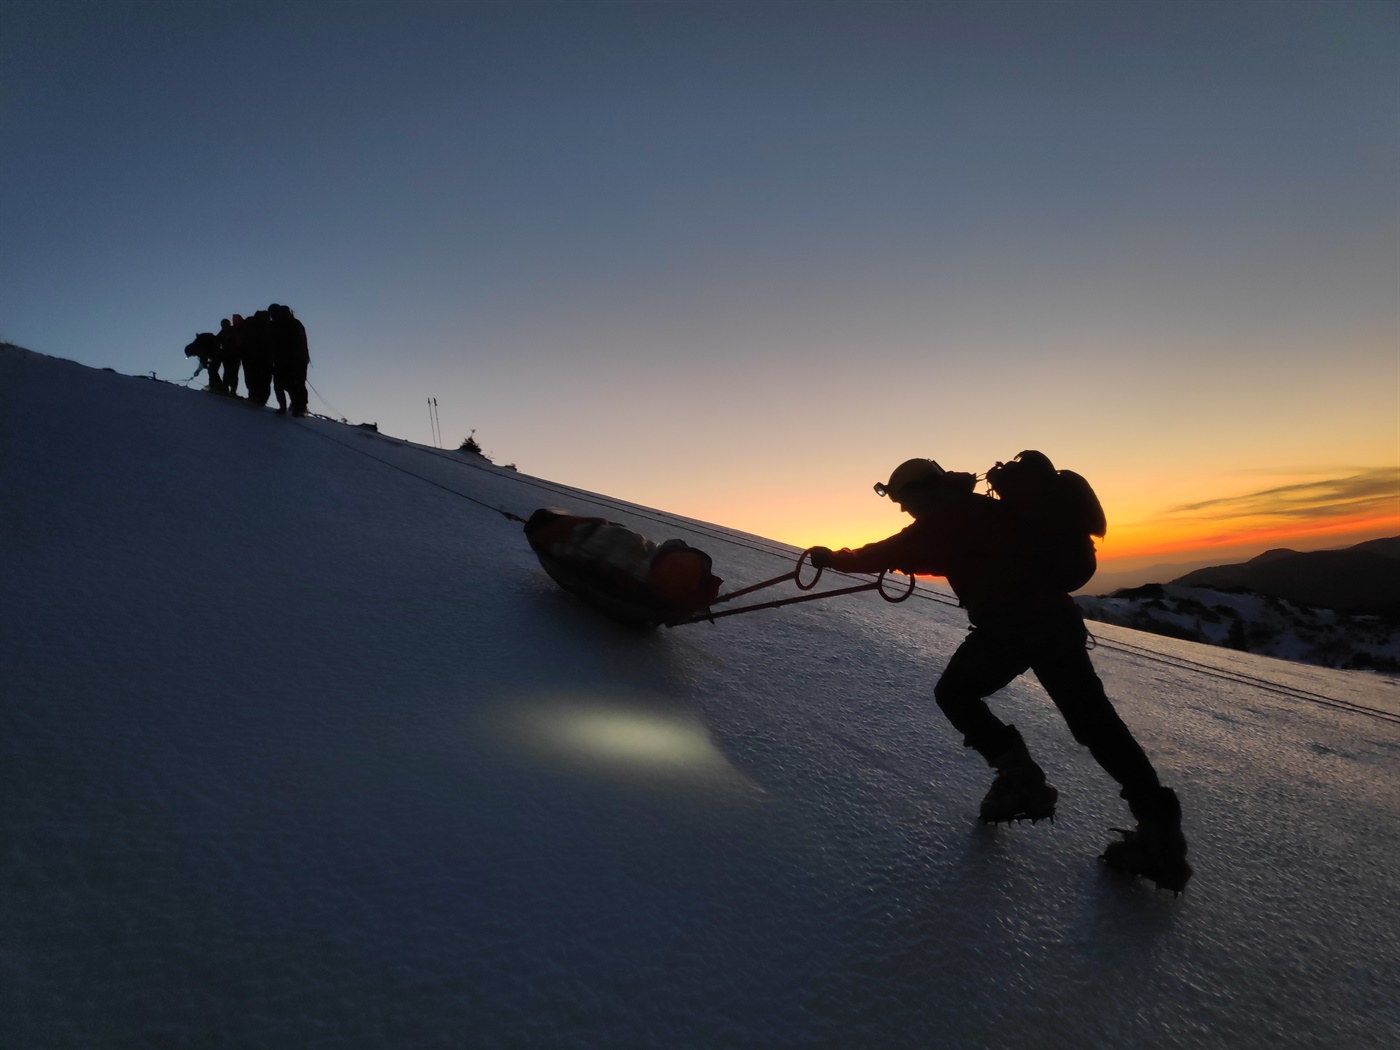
1136 543
1171 544
1202 453
1305 513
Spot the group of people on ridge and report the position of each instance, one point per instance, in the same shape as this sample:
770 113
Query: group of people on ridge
271 349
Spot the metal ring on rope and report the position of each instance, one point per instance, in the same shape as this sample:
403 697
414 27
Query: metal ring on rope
897 598
797 572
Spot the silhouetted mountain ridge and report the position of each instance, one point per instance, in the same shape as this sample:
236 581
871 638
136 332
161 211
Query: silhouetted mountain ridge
1363 579
1337 608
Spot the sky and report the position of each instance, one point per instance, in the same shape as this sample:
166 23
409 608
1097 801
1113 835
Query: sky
324 758
739 260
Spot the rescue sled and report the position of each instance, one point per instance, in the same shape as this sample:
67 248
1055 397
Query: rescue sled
620 572
644 584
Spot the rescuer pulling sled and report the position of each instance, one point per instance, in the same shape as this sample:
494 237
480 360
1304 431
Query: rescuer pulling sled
1012 556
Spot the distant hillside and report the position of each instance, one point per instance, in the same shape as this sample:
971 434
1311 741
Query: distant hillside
1364 579
1336 608
1254 623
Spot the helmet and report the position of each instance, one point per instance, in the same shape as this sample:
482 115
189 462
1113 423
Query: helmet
910 472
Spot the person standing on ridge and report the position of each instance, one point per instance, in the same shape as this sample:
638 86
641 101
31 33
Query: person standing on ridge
1012 563
231 352
290 358
257 357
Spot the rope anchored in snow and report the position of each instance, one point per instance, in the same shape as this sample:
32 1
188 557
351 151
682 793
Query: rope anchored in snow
508 515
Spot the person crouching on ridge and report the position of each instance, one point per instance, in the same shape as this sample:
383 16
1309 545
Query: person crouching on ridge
1022 618
205 347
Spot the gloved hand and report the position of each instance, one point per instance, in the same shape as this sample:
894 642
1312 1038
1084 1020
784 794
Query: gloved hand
820 557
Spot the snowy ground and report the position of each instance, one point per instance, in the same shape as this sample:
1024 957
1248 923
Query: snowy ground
300 748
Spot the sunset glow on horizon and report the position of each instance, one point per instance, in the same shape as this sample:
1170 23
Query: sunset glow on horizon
1145 542
1307 514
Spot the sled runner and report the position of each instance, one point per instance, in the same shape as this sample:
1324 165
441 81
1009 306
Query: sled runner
635 581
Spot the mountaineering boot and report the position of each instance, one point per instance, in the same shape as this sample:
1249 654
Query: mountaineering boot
1019 791
1156 848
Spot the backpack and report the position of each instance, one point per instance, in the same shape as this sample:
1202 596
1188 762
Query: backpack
1058 514
204 346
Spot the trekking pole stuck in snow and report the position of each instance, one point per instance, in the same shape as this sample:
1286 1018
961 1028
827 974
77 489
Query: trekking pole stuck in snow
433 422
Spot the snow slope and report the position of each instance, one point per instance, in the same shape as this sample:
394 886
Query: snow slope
300 748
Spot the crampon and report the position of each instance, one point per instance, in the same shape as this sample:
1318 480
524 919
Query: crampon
1161 859
1009 800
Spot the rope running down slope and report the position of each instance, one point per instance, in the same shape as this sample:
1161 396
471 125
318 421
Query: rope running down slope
759 546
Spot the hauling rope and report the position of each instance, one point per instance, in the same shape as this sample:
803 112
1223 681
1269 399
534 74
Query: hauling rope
1179 663
629 578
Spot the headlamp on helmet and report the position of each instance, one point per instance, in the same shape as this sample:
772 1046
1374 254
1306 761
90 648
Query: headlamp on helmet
910 472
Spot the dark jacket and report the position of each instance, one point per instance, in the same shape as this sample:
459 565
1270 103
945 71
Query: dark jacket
978 546
290 352
205 347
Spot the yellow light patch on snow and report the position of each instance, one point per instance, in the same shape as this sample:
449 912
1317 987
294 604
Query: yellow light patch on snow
654 740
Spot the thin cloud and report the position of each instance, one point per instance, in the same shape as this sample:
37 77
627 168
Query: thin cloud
1370 492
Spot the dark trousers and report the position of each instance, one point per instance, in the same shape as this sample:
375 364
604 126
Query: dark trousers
289 382
258 379
1051 643
230 376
